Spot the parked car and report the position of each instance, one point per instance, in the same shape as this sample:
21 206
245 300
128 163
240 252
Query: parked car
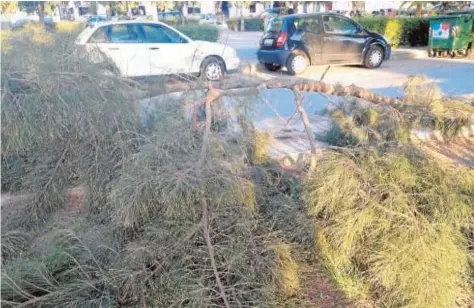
297 41
143 48
270 13
93 20
208 19
170 15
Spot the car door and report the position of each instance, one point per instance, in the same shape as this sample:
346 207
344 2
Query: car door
169 52
122 44
343 42
309 30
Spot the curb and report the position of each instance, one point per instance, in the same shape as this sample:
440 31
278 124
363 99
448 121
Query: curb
408 54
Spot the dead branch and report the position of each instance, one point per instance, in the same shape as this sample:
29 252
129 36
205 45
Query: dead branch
241 87
324 73
205 220
212 96
305 120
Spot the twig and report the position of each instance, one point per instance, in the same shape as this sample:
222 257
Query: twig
305 120
210 248
324 74
66 148
205 140
291 117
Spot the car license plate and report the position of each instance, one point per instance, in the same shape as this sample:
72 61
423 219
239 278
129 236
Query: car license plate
268 42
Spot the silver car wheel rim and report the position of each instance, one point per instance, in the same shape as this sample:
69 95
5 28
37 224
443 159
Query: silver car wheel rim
375 57
298 64
213 71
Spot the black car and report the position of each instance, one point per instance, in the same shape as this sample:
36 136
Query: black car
297 41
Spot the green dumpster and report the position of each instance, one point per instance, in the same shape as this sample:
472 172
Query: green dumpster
451 35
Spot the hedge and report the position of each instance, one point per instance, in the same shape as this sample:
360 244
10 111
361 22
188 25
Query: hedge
399 31
200 32
178 22
250 24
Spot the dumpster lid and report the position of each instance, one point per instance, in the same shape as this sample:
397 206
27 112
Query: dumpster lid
444 17
461 13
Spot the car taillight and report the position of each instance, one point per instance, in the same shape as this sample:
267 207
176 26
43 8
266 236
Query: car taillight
282 39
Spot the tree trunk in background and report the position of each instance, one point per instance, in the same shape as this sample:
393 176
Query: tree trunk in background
242 20
40 8
419 9
93 7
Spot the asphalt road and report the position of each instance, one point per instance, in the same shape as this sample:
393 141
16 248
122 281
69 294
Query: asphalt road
455 77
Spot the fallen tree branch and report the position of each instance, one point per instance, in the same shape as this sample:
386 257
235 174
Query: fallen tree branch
210 248
245 88
305 120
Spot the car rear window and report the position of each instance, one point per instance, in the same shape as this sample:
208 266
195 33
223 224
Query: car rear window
275 25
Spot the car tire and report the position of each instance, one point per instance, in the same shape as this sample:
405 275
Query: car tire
272 67
374 57
466 53
297 63
452 54
212 69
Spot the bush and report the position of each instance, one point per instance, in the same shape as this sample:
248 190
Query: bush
200 32
179 22
399 31
68 26
250 24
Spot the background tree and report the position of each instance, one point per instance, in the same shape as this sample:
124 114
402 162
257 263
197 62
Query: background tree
418 4
240 5
9 7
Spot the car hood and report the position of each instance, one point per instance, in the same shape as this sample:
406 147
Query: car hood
211 48
377 35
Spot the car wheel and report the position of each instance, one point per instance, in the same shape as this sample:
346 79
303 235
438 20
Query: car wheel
452 54
297 63
212 69
466 53
374 57
272 67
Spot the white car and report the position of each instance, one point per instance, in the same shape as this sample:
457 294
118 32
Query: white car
144 48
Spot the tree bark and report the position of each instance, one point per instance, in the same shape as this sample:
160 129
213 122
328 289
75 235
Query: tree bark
246 88
242 20
419 9
40 8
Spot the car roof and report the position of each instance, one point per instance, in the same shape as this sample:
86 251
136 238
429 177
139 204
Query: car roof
308 15
122 22
90 30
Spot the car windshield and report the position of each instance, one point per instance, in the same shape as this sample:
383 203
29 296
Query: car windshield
275 25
